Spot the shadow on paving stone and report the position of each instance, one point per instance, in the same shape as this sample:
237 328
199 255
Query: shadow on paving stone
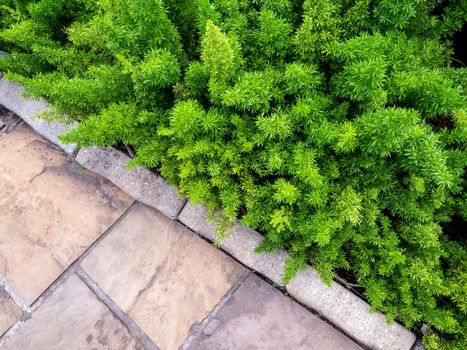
260 317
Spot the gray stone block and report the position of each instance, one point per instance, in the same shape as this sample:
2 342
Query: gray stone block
240 243
339 305
141 184
349 312
27 109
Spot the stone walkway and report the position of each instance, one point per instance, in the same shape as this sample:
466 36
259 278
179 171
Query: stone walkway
84 266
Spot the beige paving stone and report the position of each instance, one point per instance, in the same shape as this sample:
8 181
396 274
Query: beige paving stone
50 211
163 275
9 312
72 318
260 317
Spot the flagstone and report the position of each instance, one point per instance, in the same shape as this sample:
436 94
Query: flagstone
72 318
162 274
9 312
261 317
50 211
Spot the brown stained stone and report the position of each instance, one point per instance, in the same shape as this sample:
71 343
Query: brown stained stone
164 276
72 318
260 317
50 211
9 312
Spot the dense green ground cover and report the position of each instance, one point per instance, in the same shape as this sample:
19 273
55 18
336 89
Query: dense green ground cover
336 127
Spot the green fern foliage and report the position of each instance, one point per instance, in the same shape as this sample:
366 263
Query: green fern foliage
338 128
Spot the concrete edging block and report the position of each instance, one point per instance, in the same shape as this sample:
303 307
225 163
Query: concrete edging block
337 304
240 243
142 184
11 98
349 312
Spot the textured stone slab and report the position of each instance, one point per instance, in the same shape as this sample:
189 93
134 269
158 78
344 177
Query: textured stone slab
72 318
349 312
9 312
336 303
241 243
162 274
50 211
11 97
260 317
141 184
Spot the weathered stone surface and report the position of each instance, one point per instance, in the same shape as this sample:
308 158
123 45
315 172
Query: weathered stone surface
162 274
27 109
349 312
141 184
9 312
260 317
240 242
72 318
338 304
50 211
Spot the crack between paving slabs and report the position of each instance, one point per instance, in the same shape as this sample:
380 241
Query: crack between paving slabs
122 316
70 269
197 328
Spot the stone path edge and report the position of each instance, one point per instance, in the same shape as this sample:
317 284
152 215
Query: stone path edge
336 303
11 97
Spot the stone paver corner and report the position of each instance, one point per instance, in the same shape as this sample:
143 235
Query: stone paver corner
11 96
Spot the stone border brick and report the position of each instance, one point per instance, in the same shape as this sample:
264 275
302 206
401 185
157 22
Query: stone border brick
142 184
349 312
11 98
337 304
240 243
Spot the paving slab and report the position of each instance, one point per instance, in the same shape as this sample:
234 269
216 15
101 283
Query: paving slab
72 318
142 184
50 211
164 276
260 317
9 312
